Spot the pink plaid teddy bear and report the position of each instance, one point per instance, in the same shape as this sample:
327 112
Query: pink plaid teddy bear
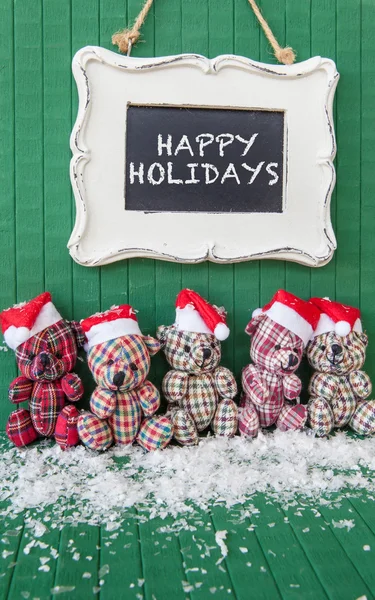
339 389
124 401
280 332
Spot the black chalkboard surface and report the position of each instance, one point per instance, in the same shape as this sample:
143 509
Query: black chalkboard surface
204 160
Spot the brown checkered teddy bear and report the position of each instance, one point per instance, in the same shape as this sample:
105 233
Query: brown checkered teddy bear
124 401
46 349
199 391
279 332
338 388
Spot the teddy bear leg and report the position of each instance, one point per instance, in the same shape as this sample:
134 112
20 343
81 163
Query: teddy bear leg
155 433
363 420
248 419
225 421
93 432
184 429
292 417
20 429
320 416
66 431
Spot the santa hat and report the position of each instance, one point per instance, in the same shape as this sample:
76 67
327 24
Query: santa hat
24 320
111 324
297 315
337 317
194 313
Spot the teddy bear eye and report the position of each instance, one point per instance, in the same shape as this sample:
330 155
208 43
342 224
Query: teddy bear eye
31 356
187 348
323 348
133 367
295 350
213 345
277 347
58 355
110 362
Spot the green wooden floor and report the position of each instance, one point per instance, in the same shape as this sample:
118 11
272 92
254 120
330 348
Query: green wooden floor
310 550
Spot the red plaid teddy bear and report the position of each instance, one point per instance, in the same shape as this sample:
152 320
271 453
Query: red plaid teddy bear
280 332
46 349
199 391
124 401
339 388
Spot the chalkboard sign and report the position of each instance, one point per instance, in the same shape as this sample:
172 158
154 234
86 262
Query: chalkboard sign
204 160
185 158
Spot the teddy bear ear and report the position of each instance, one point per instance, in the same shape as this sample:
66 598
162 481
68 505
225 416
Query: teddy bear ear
255 321
364 338
78 333
161 334
152 344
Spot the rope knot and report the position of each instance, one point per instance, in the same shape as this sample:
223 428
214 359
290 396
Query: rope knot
122 39
285 55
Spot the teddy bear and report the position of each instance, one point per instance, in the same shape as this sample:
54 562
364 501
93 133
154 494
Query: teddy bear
339 388
279 333
46 348
124 401
199 391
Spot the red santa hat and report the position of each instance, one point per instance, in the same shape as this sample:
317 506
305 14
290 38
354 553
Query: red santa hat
194 313
111 324
20 322
337 317
297 315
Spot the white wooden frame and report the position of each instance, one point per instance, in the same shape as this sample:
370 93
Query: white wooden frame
105 232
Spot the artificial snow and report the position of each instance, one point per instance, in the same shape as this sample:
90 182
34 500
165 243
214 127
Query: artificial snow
98 488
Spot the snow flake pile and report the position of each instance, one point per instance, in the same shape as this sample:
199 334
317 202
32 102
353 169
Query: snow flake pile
79 486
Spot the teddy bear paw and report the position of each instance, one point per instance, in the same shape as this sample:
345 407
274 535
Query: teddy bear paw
363 420
20 429
66 432
184 428
225 422
93 432
320 416
248 421
292 417
155 433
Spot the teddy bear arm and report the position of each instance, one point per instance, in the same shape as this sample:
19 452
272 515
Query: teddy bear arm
225 383
72 387
253 386
175 385
103 402
149 398
360 383
323 385
20 390
292 386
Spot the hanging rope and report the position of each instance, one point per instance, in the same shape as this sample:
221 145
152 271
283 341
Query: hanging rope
127 38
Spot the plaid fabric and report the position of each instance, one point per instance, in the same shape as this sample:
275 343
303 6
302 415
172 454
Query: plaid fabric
58 344
126 419
320 416
20 390
66 432
272 345
225 383
360 383
321 357
292 417
20 429
363 420
267 387
292 386
184 429
128 354
175 385
47 401
343 403
93 432
155 433
72 387
184 349
226 419
248 421
324 385
149 398
103 402
200 400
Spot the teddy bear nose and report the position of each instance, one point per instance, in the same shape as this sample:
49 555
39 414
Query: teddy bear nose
119 378
293 360
206 353
44 359
336 349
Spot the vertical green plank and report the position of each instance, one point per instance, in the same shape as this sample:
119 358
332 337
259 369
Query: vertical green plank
84 32
323 43
367 271
195 37
297 35
246 274
272 272
11 535
349 157
56 128
7 193
28 106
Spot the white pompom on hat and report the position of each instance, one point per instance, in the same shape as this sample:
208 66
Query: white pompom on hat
336 317
111 324
291 312
195 314
22 321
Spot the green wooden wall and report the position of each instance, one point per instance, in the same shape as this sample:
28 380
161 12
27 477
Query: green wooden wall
38 106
